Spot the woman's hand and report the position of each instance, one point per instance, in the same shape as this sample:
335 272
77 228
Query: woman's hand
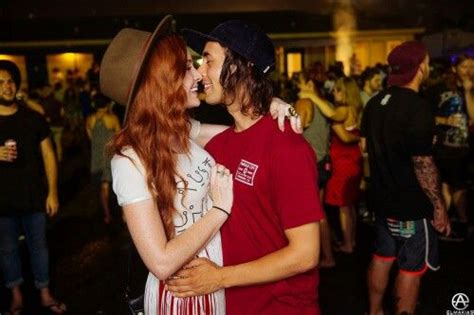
221 188
280 110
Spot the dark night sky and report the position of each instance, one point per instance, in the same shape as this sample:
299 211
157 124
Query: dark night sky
53 19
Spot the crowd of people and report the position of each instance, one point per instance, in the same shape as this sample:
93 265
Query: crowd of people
222 215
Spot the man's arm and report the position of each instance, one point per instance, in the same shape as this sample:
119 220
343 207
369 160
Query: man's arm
300 255
429 179
51 171
469 95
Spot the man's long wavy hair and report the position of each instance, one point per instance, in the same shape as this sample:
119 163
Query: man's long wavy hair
157 125
240 79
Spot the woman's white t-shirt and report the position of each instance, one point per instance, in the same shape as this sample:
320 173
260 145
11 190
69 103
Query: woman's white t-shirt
191 203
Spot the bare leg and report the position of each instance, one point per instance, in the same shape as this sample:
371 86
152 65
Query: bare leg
17 301
347 226
377 280
446 194
49 301
104 200
326 248
353 214
407 287
460 203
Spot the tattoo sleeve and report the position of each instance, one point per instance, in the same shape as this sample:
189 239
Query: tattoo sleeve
429 179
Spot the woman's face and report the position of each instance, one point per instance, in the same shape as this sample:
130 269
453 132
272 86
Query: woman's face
338 95
463 69
190 83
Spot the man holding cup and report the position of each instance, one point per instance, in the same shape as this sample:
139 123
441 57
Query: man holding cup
26 153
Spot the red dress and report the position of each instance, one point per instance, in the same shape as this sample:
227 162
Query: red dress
342 188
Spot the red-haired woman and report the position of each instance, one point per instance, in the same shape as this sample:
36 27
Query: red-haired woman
173 196
342 189
161 177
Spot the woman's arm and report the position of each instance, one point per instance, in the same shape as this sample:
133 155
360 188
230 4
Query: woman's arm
337 114
89 126
343 134
162 257
304 108
278 109
207 132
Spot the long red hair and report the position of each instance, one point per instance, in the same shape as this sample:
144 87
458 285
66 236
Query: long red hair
157 125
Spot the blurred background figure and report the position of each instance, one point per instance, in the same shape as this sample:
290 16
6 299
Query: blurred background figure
342 189
54 114
453 104
371 84
100 127
316 132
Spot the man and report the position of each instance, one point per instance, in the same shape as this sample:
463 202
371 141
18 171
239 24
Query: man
54 112
25 149
397 133
317 132
453 104
271 240
371 84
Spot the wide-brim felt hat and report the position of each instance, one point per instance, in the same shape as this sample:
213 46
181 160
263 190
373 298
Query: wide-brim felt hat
124 60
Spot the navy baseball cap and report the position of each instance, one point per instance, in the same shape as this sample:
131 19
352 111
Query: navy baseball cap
243 38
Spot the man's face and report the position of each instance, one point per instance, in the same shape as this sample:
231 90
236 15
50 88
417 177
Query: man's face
375 83
7 89
425 67
211 68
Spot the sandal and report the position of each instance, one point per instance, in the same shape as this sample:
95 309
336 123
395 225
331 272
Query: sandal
56 307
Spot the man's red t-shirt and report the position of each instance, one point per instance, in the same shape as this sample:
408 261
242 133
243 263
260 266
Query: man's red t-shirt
275 188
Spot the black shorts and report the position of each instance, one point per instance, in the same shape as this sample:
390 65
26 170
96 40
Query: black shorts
324 171
414 244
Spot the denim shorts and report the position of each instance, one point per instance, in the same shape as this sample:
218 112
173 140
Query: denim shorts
414 244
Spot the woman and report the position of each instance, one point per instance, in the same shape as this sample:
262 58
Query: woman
173 196
100 128
342 189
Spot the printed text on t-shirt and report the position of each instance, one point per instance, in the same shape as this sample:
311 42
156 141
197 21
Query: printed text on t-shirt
246 172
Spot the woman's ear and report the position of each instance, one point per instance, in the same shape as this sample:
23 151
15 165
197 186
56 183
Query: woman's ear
233 68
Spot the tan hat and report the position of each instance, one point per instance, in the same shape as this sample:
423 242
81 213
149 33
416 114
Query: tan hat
124 58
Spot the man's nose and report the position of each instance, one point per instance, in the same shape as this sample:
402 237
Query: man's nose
201 70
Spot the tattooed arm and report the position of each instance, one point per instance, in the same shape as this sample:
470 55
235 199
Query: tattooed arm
428 177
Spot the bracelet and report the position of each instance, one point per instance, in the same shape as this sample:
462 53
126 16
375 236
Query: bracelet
219 208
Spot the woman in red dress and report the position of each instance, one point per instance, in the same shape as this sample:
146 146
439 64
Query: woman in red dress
342 189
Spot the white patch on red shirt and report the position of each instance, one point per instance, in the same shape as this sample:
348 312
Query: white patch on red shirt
246 172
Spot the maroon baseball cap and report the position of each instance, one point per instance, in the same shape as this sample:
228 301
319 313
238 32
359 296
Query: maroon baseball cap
404 61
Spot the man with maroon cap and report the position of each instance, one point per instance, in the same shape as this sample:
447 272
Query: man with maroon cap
397 132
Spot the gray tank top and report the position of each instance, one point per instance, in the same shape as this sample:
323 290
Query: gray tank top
100 136
317 134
